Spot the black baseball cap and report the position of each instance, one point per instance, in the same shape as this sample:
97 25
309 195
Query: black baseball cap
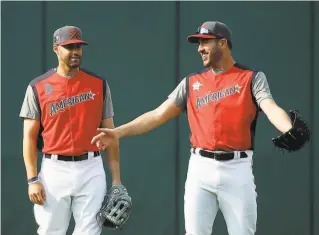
68 35
211 29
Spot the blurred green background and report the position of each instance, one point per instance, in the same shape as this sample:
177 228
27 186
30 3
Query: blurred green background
141 49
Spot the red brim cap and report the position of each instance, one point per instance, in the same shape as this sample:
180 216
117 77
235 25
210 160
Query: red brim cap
194 38
73 42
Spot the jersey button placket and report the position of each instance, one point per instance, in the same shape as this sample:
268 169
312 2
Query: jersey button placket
68 85
217 125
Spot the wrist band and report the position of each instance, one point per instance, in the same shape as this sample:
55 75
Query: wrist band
33 179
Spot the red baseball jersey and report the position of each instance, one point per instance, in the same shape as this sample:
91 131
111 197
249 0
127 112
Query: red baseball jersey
221 110
71 111
222 107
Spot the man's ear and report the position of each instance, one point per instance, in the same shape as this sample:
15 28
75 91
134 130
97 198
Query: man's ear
223 43
55 49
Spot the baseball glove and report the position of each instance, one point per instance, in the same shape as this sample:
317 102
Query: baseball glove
296 137
116 208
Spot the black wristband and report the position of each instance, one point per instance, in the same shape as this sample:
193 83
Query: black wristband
33 179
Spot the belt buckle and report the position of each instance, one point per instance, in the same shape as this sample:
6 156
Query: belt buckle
73 158
216 156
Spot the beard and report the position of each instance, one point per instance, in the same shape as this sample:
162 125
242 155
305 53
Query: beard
73 62
214 58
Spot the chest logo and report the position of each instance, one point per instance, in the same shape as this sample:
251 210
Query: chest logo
196 86
48 88
70 101
215 96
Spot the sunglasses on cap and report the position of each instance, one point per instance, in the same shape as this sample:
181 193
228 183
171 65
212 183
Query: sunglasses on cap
205 31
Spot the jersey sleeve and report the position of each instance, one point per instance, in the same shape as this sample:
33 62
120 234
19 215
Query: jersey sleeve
260 88
30 107
108 111
179 95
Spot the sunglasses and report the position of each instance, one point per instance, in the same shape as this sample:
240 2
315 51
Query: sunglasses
205 31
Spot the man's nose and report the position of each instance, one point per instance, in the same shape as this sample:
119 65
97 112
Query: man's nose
200 48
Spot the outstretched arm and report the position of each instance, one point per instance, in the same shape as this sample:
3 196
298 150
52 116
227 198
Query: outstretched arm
172 107
142 124
150 120
294 131
276 115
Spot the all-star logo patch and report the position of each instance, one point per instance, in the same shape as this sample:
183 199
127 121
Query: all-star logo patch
60 106
196 86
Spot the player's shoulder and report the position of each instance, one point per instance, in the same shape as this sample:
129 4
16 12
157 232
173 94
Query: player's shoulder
92 74
201 71
244 67
248 68
42 77
256 72
99 77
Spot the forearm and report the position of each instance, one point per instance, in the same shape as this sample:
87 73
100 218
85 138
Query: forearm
280 119
30 157
113 161
140 125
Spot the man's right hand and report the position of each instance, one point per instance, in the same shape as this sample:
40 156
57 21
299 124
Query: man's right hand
36 193
104 138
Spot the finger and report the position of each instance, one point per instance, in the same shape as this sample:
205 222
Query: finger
96 138
103 147
41 201
34 199
43 195
40 197
103 130
31 199
98 144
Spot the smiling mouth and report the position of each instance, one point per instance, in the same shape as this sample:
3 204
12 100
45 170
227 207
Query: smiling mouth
204 56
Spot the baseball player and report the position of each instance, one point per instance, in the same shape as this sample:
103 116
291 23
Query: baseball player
62 110
222 103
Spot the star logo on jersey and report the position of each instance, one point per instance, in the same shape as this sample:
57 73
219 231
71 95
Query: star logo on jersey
196 86
237 88
92 95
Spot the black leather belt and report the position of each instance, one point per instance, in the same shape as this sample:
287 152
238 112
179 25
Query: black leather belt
219 156
73 158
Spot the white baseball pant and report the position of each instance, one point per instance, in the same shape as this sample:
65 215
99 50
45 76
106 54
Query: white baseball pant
226 185
71 187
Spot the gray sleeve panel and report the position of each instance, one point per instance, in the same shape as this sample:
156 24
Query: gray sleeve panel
260 88
30 107
108 111
180 94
